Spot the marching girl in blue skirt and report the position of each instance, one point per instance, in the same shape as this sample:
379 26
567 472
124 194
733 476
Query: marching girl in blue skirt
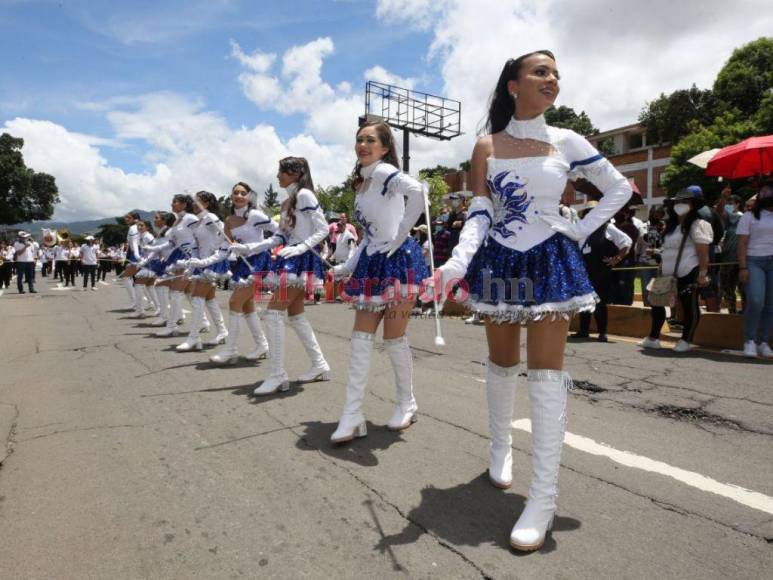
245 228
521 263
144 278
206 269
154 264
181 242
132 258
302 228
385 274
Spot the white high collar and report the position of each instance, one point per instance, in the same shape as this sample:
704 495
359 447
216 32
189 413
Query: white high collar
535 129
242 212
368 170
292 189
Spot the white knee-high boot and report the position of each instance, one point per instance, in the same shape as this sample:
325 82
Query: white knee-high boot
175 309
256 329
138 295
500 393
229 354
151 290
128 283
547 397
275 332
217 317
320 370
352 423
193 342
399 352
162 292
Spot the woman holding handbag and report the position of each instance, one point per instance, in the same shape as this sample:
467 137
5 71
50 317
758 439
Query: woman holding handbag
684 267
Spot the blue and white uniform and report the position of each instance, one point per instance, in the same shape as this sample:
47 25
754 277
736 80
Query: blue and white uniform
180 241
519 258
308 232
145 244
387 206
133 244
156 255
211 249
251 232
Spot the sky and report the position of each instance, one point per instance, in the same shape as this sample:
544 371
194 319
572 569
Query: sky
128 103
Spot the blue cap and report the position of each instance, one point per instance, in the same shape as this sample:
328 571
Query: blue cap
696 190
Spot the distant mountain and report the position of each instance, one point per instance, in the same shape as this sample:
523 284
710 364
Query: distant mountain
76 228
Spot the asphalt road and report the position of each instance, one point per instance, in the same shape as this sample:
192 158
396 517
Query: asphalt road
129 460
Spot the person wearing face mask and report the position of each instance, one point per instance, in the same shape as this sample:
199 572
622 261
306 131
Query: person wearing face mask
456 218
685 229
755 262
728 272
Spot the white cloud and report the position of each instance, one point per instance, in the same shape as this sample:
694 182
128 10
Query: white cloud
379 74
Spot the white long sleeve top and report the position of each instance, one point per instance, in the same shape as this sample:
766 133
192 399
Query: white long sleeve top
388 204
209 236
133 240
180 235
310 226
252 230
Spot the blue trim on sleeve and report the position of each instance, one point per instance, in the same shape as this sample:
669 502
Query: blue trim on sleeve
386 182
482 212
587 161
310 208
256 224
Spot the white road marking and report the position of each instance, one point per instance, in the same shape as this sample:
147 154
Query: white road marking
738 494
60 287
104 283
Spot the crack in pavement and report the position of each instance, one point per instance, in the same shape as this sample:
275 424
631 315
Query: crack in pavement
95 428
134 357
382 497
269 432
10 438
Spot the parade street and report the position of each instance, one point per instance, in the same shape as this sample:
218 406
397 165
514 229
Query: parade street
128 460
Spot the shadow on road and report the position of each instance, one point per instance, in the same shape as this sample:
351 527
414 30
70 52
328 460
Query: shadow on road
470 514
360 451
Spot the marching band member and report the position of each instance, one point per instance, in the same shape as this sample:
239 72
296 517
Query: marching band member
209 267
132 257
302 228
386 272
154 263
522 264
181 242
89 262
144 279
246 229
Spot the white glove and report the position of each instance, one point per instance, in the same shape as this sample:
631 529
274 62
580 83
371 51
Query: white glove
431 293
239 249
395 244
193 263
293 251
340 271
563 226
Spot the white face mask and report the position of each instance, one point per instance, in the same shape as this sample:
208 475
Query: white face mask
681 208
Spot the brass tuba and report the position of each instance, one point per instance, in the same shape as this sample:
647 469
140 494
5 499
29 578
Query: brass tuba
49 238
62 235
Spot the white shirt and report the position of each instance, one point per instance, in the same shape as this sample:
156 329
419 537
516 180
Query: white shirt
344 247
700 233
310 225
28 251
89 254
760 232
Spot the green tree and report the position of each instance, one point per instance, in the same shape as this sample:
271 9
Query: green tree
567 118
763 118
726 129
668 117
113 234
465 165
746 77
271 200
25 194
438 187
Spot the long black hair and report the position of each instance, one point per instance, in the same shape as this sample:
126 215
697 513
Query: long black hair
387 140
168 218
501 104
211 200
186 199
300 167
762 202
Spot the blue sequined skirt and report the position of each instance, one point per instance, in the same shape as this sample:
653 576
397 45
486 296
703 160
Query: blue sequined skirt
299 272
548 280
213 273
131 258
169 267
242 276
374 283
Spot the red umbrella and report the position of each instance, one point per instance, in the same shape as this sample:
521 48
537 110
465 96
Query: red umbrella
752 156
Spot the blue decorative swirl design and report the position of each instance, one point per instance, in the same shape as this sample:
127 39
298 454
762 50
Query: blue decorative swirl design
515 204
365 223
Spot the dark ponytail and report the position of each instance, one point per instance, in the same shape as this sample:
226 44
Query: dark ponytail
300 167
186 199
209 198
501 104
